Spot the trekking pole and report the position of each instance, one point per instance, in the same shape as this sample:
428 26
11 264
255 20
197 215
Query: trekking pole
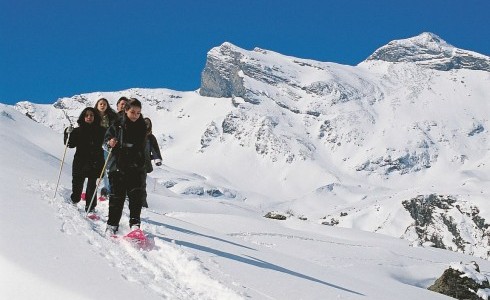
98 182
62 162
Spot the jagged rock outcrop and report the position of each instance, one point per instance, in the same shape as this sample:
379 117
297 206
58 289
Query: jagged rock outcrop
220 78
211 134
403 163
429 50
445 222
462 281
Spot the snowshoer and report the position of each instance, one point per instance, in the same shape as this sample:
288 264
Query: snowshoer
107 117
89 158
126 166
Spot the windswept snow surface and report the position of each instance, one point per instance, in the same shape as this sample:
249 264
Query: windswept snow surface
205 247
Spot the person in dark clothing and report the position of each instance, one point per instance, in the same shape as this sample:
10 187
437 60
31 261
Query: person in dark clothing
107 117
126 165
89 158
121 103
152 152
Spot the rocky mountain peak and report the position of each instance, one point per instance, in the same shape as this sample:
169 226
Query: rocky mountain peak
427 40
220 77
225 49
430 51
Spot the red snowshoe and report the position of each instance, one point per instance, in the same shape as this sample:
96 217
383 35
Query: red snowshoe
139 239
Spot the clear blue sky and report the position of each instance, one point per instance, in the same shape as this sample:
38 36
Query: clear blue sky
60 48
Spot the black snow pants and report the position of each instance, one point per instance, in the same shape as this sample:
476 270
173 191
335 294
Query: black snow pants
77 181
127 183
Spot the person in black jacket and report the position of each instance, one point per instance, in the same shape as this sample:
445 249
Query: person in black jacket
126 166
120 105
152 152
89 158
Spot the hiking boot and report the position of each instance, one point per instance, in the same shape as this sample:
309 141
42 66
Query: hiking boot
75 201
111 230
134 222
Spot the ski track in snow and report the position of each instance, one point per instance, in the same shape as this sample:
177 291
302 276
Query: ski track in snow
166 269
387 261
289 236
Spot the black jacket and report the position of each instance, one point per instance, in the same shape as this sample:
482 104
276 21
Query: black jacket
89 156
152 151
129 153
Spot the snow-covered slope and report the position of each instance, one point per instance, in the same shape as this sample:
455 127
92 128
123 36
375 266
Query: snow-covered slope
341 145
206 247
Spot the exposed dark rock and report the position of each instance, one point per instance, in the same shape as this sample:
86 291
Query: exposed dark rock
211 133
228 124
332 222
408 162
169 184
194 190
439 220
275 215
214 193
476 130
204 192
460 284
